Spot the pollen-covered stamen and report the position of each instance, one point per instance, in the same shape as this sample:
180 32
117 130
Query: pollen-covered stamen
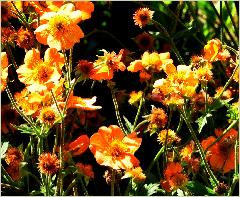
118 149
59 24
43 73
48 116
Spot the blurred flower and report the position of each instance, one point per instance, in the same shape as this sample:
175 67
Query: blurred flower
85 68
40 74
168 135
173 177
4 70
158 119
106 65
48 163
198 101
8 35
14 172
227 94
111 148
25 38
135 97
78 146
221 155
142 16
81 103
9 117
145 41
221 189
8 11
85 169
136 174
13 156
59 29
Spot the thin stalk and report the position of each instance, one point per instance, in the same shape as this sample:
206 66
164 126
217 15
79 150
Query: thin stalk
18 110
221 19
55 101
160 152
228 82
236 149
70 186
85 192
138 112
117 111
221 136
47 185
223 24
9 52
160 27
112 182
179 124
209 171
234 183
231 17
55 141
140 124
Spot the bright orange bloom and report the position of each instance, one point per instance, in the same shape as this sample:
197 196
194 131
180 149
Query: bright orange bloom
85 169
86 8
13 156
142 16
158 119
4 70
221 155
173 177
79 146
49 115
39 75
106 65
111 148
136 174
81 103
42 7
85 68
48 163
149 63
59 29
25 38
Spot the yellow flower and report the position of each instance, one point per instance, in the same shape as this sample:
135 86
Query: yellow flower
135 97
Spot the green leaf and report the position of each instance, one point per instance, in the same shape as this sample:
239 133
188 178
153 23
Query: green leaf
4 149
24 128
218 104
151 188
199 189
128 124
202 121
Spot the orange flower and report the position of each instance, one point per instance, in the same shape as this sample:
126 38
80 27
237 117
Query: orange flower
142 16
48 163
111 148
78 146
173 177
39 75
49 115
221 155
8 35
86 8
169 134
85 68
136 174
4 70
106 65
149 63
25 38
13 156
85 169
81 103
157 119
59 29
42 7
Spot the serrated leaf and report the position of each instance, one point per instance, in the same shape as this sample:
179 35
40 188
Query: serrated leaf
151 188
4 148
218 104
199 189
24 128
128 124
202 121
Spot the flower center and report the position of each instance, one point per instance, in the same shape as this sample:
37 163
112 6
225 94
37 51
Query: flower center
43 72
49 117
118 149
59 24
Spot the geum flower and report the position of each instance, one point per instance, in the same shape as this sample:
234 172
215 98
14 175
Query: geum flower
106 65
221 155
59 29
112 148
150 63
40 74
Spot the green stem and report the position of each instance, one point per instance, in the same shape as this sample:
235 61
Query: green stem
221 19
179 124
235 180
55 101
231 17
236 149
160 27
113 182
199 147
117 110
85 192
138 112
228 82
221 136
223 24
70 186
160 152
140 124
